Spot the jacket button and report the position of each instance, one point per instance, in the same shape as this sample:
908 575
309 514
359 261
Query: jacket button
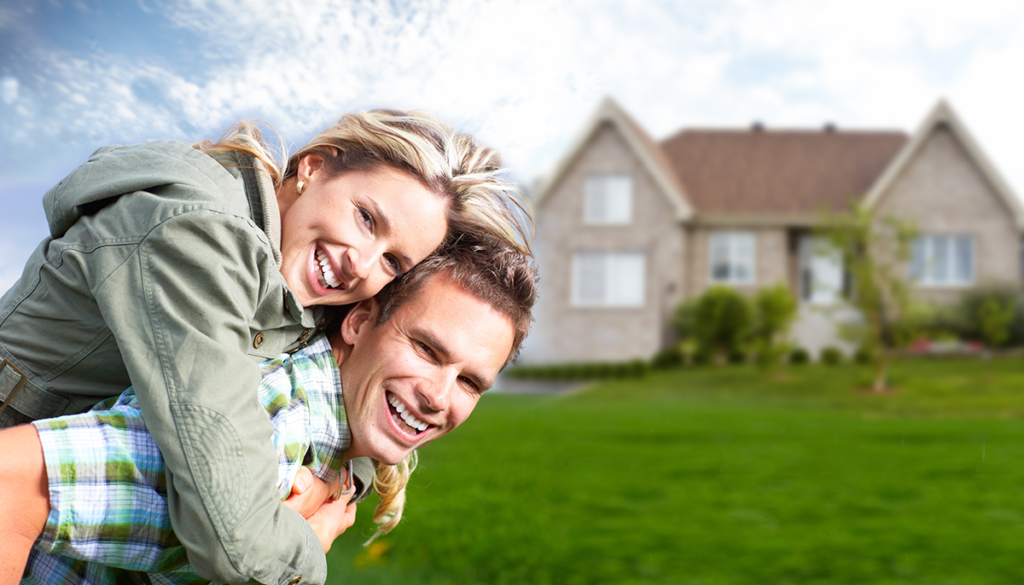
295 580
258 340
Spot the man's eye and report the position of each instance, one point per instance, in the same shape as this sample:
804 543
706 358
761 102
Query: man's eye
469 383
426 349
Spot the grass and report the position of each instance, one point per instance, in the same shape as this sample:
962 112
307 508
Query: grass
711 476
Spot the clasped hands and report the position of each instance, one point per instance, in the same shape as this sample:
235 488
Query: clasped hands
314 499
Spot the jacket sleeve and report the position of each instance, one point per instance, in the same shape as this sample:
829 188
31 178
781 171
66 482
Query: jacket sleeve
180 309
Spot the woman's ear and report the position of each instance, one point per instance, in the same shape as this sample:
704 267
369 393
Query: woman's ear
309 166
358 320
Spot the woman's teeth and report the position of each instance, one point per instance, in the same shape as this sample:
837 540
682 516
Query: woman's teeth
409 419
327 278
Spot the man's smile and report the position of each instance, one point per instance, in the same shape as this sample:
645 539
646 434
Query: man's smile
403 417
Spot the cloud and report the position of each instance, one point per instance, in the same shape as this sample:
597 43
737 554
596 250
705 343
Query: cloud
8 89
525 74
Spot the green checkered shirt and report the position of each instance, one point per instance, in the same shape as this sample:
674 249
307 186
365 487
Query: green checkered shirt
108 486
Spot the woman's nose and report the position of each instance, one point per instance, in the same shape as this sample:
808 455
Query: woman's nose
363 261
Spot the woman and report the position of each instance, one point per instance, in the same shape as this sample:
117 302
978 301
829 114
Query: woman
175 270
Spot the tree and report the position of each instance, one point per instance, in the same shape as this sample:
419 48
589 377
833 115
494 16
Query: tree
876 254
774 311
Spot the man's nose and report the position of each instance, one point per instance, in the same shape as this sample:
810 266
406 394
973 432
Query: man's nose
436 392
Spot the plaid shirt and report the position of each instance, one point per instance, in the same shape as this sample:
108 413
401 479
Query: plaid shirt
108 487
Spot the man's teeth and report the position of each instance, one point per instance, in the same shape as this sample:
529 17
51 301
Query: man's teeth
326 273
409 419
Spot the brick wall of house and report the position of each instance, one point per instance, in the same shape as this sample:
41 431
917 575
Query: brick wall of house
945 192
565 333
772 257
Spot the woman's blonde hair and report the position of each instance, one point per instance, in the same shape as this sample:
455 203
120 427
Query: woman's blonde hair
389 482
481 194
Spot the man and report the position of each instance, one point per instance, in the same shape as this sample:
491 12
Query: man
413 363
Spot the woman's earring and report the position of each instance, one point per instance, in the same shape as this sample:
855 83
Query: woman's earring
299 187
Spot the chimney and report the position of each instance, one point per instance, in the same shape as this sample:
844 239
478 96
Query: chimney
830 127
757 126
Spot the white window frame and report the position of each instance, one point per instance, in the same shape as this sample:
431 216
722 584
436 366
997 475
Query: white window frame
936 260
621 279
608 200
734 243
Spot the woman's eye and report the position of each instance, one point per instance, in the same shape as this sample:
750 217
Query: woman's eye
396 266
366 217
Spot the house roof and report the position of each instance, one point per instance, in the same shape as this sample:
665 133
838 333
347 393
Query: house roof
640 143
943 116
784 177
761 172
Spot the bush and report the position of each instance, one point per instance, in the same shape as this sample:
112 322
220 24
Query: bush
799 355
580 371
831 356
721 320
668 358
862 356
737 356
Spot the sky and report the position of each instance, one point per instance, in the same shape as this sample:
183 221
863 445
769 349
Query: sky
524 76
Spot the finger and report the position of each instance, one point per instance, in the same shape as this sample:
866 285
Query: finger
303 480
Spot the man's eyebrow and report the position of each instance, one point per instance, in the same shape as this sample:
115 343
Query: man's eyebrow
385 227
445 355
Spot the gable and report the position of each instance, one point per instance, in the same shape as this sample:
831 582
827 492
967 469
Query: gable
610 116
943 126
943 189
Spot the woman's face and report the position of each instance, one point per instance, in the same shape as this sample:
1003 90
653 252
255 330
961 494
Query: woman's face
345 237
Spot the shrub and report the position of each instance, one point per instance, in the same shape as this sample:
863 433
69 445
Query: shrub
799 355
721 320
737 356
862 356
774 310
831 356
668 358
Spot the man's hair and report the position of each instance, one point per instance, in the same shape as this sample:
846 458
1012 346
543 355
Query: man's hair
487 267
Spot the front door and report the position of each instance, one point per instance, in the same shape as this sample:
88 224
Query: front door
821 271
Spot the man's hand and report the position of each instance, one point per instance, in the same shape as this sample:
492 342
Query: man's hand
310 492
311 497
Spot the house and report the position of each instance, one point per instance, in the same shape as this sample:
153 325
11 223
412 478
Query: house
627 226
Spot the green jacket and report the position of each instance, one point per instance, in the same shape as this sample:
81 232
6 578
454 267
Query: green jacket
162 273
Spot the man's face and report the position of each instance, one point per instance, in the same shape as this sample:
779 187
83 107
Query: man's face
420 374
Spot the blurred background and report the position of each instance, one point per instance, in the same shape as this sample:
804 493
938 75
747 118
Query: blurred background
523 75
676 471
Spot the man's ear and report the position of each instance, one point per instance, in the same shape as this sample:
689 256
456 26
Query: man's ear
358 320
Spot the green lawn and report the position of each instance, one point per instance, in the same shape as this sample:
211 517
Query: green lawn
722 476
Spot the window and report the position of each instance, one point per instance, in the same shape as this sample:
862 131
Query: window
942 259
732 257
609 200
608 279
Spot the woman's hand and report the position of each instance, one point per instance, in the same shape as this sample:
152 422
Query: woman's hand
311 497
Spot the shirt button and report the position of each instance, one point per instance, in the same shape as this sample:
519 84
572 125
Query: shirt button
258 340
295 580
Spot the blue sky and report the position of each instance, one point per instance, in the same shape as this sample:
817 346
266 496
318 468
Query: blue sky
524 75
